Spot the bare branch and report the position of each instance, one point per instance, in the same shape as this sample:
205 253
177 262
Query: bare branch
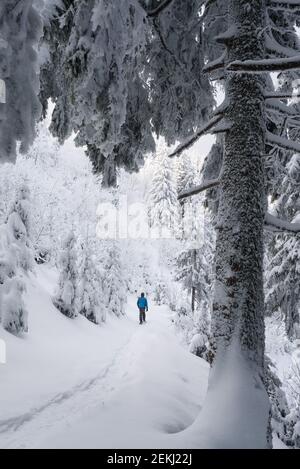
277 225
198 189
204 130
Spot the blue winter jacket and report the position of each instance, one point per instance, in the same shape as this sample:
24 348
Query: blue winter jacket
142 303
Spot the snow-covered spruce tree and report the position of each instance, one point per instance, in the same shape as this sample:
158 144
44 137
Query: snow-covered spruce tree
16 259
20 31
91 301
117 72
65 299
114 287
93 76
194 267
14 315
181 97
162 199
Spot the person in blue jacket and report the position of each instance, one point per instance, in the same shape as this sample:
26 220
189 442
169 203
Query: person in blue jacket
142 304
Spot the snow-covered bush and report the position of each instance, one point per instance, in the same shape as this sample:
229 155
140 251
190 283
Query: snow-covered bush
19 228
184 322
16 259
65 299
162 198
91 301
160 292
198 345
14 314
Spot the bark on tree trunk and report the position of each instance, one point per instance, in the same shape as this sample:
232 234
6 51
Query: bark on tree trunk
238 307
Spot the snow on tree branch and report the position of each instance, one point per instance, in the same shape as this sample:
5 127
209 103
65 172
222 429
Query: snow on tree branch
275 224
198 189
205 129
277 141
266 65
280 107
287 5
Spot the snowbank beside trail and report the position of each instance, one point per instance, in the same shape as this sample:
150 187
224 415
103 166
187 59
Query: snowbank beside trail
156 390
236 409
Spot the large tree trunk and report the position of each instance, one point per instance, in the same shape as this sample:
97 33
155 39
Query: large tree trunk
238 308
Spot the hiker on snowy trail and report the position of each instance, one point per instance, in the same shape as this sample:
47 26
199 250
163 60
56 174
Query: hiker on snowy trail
142 304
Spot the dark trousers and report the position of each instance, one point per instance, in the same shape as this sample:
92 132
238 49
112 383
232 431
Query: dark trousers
142 315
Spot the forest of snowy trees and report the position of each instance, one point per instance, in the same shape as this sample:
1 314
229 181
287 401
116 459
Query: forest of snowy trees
138 86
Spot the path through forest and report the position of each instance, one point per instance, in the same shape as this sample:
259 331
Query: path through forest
147 388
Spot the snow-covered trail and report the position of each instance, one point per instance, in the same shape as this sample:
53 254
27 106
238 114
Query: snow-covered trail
147 387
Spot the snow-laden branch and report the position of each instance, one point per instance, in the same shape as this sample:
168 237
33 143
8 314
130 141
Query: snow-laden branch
204 130
198 189
221 127
294 123
287 5
280 142
275 224
281 95
274 48
265 65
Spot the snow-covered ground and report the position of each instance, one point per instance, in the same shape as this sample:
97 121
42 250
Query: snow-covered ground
72 384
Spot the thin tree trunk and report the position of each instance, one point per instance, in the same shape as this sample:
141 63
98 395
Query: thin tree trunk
193 298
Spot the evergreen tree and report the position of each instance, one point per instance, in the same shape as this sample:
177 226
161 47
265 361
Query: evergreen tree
65 299
16 260
283 270
163 212
91 301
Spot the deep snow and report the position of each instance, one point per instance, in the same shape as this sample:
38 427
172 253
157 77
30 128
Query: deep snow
72 384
